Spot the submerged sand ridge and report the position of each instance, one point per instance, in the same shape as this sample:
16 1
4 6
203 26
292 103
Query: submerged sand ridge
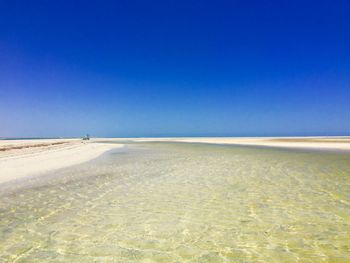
321 143
24 158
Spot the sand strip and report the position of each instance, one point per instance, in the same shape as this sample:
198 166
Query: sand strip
20 159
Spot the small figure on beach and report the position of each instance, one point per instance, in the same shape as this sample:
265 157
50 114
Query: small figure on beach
86 138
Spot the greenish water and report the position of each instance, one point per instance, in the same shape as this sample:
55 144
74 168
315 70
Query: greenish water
163 202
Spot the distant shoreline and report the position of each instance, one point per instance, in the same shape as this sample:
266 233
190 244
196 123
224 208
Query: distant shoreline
35 138
315 142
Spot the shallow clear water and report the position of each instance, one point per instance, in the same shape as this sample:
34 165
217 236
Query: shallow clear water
164 202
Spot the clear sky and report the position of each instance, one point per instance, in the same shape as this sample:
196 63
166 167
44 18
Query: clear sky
174 68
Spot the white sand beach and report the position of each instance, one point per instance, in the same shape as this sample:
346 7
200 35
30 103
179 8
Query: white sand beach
23 158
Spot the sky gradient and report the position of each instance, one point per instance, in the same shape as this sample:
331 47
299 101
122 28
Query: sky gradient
174 68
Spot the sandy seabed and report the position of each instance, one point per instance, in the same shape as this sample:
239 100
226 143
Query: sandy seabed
182 202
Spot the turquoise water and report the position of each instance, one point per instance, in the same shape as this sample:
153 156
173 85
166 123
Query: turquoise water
172 202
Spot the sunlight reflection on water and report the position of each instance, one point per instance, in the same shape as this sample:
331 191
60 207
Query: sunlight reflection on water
164 202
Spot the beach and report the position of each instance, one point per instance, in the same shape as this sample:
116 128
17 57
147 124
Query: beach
24 158
127 131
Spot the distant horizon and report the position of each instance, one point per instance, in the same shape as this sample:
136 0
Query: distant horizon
116 137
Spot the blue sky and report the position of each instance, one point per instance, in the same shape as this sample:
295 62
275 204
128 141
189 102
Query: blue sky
174 68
